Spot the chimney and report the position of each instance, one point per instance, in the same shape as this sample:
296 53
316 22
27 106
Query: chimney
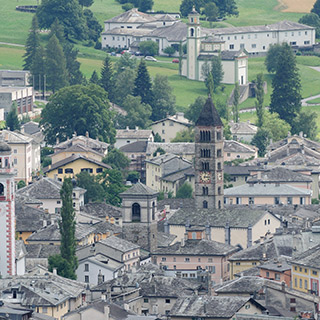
100 277
166 227
301 134
87 134
182 242
137 128
44 223
22 129
127 128
57 140
208 233
54 271
283 286
106 311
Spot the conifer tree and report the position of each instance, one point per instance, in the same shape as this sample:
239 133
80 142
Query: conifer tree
55 65
33 41
94 77
236 96
67 227
38 68
12 120
143 85
107 77
260 98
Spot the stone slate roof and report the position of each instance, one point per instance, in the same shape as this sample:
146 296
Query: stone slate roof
176 32
280 266
31 127
36 251
132 16
77 148
235 146
101 210
210 306
71 159
16 137
44 188
225 55
242 128
279 26
178 175
133 32
28 218
177 148
235 216
165 239
270 249
105 226
138 146
268 189
309 258
198 247
284 151
252 272
209 115
119 244
4 147
238 170
279 174
175 203
139 189
52 233
95 144
295 139
298 159
133 134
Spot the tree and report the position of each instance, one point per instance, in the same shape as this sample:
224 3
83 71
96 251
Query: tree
149 48
94 78
95 191
163 99
186 135
211 12
94 27
222 109
86 3
107 77
259 91
185 191
38 68
78 109
316 8
272 57
21 184
12 120
210 85
312 20
261 141
217 71
56 69
306 122
235 106
195 108
142 84
133 176
69 12
157 137
286 96
111 180
278 129
227 8
126 61
138 113
158 152
169 50
67 262
120 91
116 159
32 43
145 5
186 7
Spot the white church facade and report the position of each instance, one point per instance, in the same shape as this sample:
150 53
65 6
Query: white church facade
201 49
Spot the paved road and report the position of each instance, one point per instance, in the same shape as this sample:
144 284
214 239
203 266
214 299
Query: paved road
12 44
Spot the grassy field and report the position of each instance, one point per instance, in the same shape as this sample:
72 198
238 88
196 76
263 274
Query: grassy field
314 101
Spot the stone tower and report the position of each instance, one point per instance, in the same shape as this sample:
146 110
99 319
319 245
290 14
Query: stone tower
139 207
209 158
193 44
7 213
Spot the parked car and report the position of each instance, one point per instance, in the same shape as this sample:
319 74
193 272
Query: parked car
175 61
138 53
149 58
113 54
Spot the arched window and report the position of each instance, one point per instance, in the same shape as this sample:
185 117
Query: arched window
205 204
136 212
219 204
205 191
153 211
192 32
1 189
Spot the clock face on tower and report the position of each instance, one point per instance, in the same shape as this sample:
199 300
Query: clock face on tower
205 177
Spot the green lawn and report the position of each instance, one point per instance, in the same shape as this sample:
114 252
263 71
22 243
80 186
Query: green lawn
314 101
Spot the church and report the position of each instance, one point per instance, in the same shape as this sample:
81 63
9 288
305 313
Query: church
201 49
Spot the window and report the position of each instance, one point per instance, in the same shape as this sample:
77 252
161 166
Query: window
306 284
98 170
238 263
68 170
295 268
305 270
295 282
167 300
205 191
136 214
289 200
293 309
277 276
249 36
219 153
205 204
44 310
219 135
254 263
1 189
292 34
219 165
292 300
219 191
187 259
235 37
276 200
205 135
241 45
267 274
86 279
306 42
231 46
255 36
15 161
163 259
210 259
145 300
253 46
300 283
301 200
86 267
251 200
58 202
89 170
174 259
238 200
314 272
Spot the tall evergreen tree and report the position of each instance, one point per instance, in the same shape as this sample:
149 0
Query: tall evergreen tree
38 68
33 42
217 71
260 98
56 70
12 120
316 8
142 84
67 227
107 77
94 77
286 95
236 96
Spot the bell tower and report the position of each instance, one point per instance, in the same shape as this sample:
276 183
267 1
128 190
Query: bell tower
193 44
209 158
7 214
139 207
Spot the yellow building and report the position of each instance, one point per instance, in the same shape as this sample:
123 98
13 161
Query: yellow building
70 167
305 271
